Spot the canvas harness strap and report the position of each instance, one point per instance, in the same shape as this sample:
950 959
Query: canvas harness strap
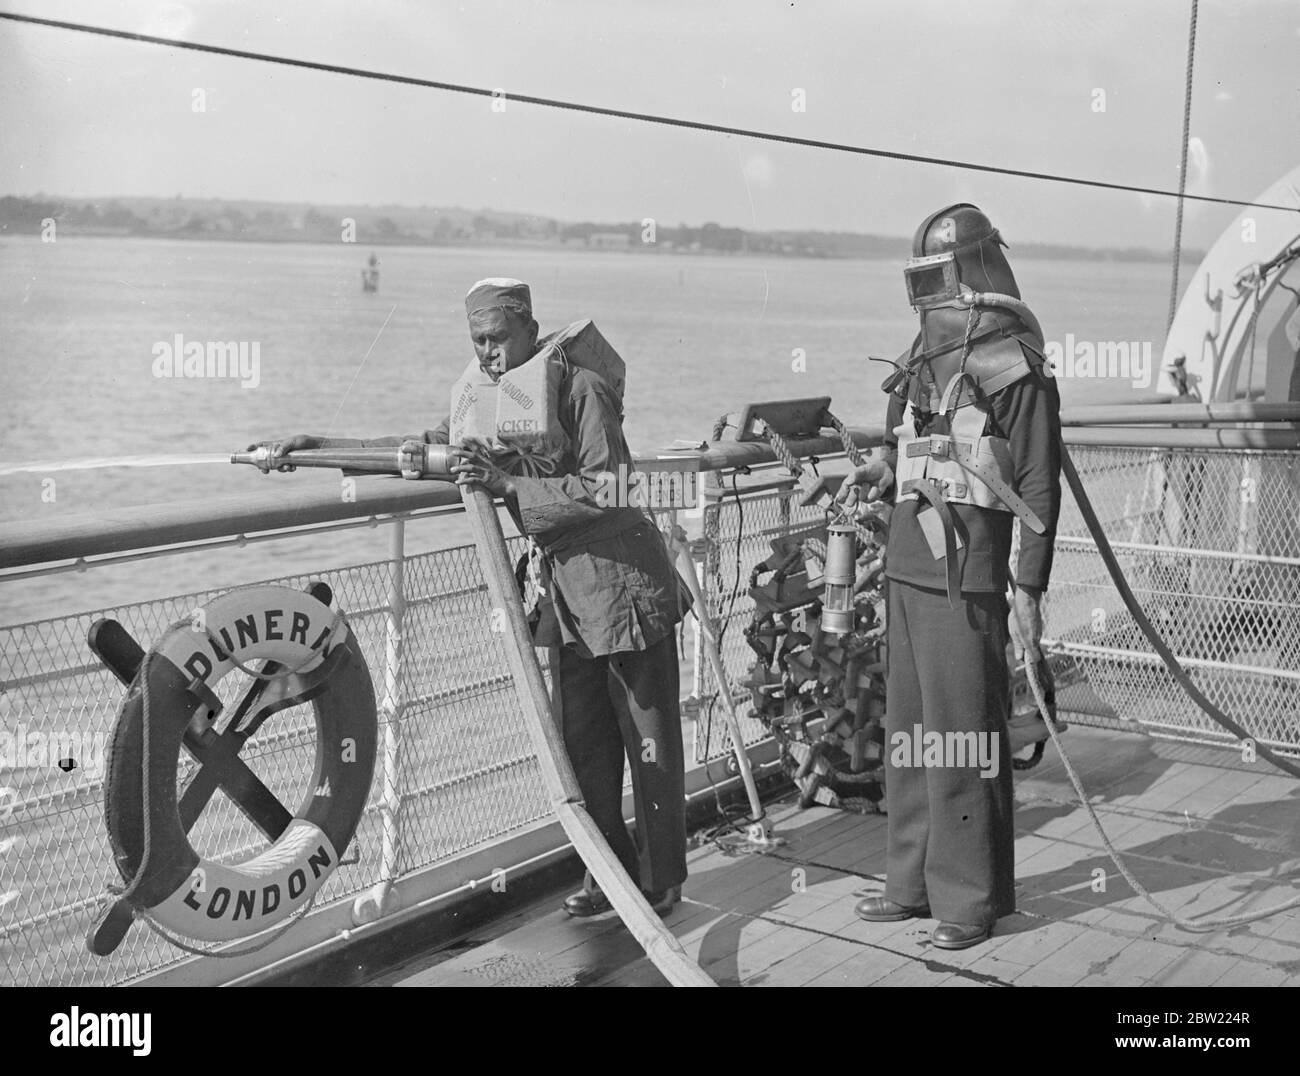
985 463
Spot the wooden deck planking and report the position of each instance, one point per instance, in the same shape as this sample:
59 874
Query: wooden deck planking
901 937
789 927
986 954
1106 763
786 918
916 972
866 967
1253 975
1083 955
758 899
1239 787
1276 940
545 943
1052 821
814 961
1195 968
790 958
1136 964
718 949
1030 947
752 885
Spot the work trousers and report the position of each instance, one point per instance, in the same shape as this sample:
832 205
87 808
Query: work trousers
627 705
951 832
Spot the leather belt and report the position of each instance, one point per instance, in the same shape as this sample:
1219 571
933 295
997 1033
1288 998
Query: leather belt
952 575
942 447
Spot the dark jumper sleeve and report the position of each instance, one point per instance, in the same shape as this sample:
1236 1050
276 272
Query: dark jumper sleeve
893 418
1028 414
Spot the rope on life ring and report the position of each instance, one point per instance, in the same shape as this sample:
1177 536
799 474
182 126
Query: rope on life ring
309 654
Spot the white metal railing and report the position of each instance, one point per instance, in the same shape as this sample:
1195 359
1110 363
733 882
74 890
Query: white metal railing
456 782
455 772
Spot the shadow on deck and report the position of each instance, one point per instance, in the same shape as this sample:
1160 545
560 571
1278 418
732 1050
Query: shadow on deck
1203 831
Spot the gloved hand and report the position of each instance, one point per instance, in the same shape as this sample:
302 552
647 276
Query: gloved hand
1026 623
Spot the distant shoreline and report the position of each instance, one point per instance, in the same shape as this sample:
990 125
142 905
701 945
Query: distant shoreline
455 228
1025 251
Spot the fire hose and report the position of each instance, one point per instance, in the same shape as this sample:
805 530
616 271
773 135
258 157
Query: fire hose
414 460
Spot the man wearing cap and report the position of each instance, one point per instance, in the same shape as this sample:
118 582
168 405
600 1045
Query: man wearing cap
616 594
974 415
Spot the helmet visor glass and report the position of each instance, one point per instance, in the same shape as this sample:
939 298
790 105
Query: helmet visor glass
931 281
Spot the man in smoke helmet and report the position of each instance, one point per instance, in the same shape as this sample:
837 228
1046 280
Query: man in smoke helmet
972 446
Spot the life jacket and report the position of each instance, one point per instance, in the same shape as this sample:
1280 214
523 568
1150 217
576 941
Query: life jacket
520 412
520 415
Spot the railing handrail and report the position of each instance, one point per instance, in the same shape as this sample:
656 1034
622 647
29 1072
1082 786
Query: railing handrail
32 542
36 542
1120 414
1279 437
156 525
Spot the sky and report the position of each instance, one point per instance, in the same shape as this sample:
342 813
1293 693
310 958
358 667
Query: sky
1088 89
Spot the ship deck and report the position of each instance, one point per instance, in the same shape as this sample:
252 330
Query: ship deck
1204 831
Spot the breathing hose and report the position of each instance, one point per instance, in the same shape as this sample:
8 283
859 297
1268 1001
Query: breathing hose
1006 302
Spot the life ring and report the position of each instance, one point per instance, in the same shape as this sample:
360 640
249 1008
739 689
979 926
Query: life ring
318 660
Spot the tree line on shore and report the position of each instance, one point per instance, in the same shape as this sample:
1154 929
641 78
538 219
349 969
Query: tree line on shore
198 218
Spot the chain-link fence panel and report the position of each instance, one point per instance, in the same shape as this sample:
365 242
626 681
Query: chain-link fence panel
1209 541
738 532
454 769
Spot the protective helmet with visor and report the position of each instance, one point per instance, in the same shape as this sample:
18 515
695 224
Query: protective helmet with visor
956 251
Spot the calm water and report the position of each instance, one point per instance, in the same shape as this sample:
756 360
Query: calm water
79 320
